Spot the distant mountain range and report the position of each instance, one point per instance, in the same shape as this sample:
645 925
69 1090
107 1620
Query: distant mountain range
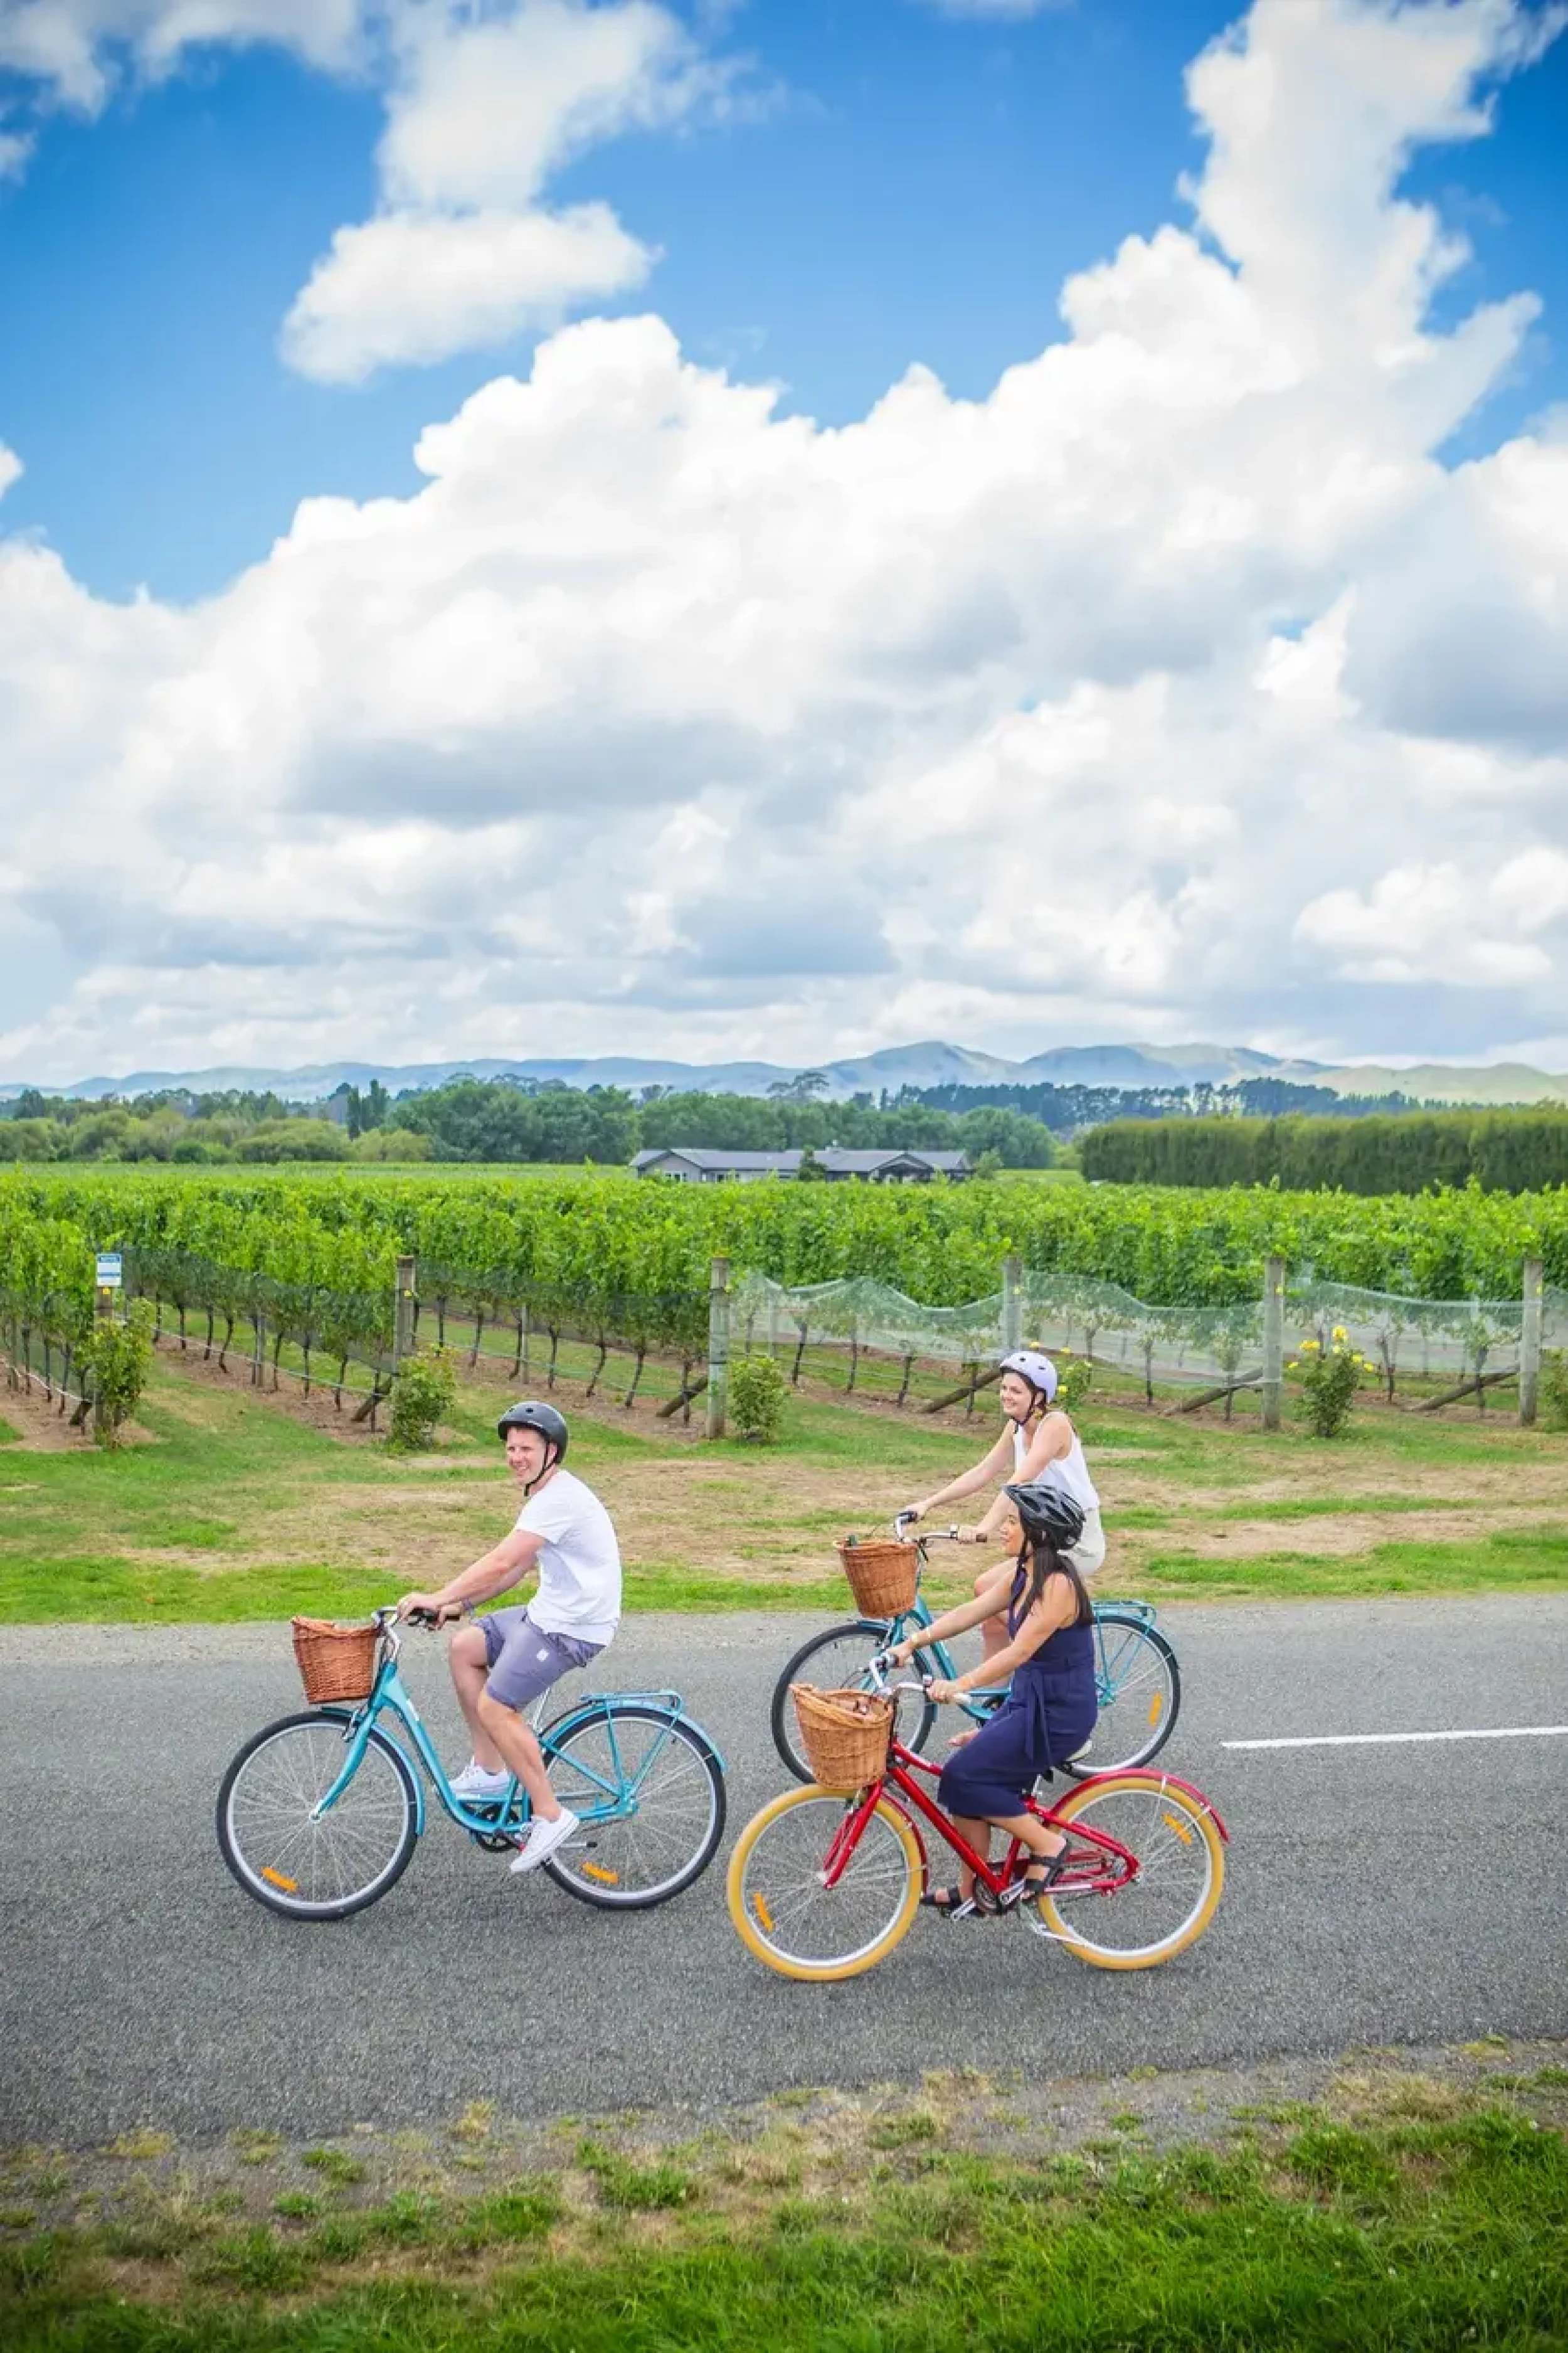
928 1065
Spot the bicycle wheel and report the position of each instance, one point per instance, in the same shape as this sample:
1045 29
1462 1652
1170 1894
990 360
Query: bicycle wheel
311 1866
657 1792
1138 1684
788 1918
1133 1922
837 1661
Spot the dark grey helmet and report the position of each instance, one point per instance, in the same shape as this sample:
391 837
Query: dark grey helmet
1044 1511
528 1414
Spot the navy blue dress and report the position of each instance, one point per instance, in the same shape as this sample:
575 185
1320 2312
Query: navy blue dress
1047 1715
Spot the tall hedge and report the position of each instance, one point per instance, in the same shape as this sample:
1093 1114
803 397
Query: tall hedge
1406 1152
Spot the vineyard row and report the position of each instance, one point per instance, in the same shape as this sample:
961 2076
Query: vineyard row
633 1257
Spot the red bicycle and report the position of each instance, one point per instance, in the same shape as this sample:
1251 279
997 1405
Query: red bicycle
821 1886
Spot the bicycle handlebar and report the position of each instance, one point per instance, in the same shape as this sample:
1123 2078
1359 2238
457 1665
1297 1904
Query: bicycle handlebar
877 1668
902 1520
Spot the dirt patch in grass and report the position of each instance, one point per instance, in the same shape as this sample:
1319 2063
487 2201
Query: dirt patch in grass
42 1427
1341 1533
1508 1480
316 1411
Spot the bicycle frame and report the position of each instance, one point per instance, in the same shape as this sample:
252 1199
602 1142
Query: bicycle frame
918 1806
389 1695
1101 1873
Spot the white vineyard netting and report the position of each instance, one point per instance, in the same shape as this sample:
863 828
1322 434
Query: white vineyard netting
1422 1338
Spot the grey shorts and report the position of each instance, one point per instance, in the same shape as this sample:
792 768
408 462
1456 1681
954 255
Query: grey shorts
524 1660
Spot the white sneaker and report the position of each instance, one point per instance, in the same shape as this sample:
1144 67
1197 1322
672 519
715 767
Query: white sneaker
474 1785
544 1839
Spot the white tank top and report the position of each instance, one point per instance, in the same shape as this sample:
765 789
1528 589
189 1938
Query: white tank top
1070 1472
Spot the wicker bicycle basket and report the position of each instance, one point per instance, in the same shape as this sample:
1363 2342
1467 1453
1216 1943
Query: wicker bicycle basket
882 1577
845 1734
335 1662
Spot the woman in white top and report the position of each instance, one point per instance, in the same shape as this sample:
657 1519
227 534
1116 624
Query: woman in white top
1040 1447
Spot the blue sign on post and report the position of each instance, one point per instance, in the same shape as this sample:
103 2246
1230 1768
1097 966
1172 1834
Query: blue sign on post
111 1270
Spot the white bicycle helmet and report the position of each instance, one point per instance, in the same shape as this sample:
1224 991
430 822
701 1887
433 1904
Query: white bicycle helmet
1032 1366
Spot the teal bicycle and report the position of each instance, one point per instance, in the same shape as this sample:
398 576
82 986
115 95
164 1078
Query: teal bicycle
320 1813
1138 1680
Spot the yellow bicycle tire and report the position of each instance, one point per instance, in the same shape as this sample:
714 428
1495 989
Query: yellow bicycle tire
825 1972
1149 1956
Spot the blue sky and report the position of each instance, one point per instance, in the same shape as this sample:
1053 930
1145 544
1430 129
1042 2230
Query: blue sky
901 185
768 531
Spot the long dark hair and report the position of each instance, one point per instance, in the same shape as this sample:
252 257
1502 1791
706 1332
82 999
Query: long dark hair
1037 1560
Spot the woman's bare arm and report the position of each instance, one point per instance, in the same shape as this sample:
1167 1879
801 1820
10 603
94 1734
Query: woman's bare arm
969 1482
1049 1443
985 1605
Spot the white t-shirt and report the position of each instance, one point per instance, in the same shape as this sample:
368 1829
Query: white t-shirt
579 1561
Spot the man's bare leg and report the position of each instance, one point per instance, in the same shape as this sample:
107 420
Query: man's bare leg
520 1753
470 1673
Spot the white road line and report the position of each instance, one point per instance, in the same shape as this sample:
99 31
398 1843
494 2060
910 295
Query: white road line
1379 1739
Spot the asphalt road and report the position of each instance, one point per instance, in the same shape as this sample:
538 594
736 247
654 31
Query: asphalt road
1376 1895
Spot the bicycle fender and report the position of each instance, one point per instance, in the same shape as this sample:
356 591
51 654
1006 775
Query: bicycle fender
1167 1780
668 1703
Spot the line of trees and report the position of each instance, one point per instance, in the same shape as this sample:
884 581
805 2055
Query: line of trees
1067 1111
1201 1137
1502 1151
498 1120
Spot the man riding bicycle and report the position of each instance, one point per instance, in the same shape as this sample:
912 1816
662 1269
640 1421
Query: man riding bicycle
502 1664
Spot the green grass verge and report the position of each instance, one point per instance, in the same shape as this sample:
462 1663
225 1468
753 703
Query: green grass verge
1415 2234
238 1511
1512 1561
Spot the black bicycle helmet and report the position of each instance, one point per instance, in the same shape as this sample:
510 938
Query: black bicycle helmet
528 1414
1046 1511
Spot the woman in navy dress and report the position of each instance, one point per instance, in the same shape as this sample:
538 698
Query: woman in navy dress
1049 1713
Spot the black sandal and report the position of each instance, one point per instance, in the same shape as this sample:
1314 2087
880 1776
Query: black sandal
1043 1872
949 1905
1045 1869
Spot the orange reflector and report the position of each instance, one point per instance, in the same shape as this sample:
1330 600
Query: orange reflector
289 1886
1156 1708
597 1870
1183 1830
759 1906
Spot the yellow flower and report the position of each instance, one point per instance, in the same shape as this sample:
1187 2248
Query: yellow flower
1311 1344
1339 1332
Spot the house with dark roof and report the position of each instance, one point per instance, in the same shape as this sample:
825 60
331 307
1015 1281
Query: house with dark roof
697 1165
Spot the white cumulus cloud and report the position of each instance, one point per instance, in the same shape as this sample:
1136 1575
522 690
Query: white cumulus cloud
414 287
74 48
1175 688
463 253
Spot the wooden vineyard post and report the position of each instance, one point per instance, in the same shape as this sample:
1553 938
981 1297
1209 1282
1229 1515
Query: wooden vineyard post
1011 1303
102 1312
1273 1341
403 1312
718 1346
1530 1342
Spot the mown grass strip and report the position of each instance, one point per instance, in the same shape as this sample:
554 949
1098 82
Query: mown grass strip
1517 1561
1413 2235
